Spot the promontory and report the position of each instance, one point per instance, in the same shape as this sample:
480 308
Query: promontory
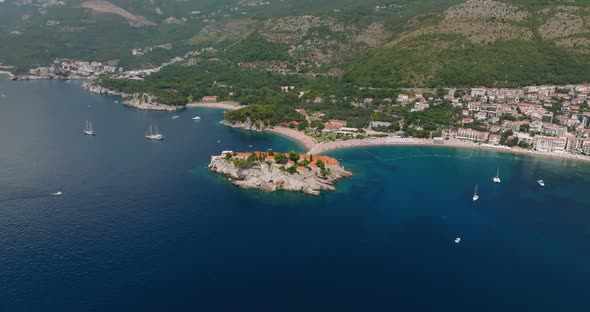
271 171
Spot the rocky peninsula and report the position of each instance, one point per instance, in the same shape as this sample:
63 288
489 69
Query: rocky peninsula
271 171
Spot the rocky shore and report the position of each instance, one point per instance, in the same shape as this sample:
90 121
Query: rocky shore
147 102
136 100
221 105
261 171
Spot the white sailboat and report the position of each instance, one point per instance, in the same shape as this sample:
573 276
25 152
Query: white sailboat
196 118
541 183
88 128
151 135
496 179
475 196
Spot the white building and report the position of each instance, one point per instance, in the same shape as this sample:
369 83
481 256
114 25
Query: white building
549 144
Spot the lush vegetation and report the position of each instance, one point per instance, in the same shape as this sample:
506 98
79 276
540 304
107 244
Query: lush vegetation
422 62
256 48
269 115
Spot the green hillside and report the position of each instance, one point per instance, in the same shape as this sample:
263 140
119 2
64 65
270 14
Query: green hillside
489 43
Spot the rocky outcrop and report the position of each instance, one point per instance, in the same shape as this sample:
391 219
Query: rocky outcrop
269 176
147 102
246 125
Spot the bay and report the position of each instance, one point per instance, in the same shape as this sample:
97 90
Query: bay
144 225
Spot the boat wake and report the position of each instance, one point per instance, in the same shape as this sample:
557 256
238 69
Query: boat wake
31 196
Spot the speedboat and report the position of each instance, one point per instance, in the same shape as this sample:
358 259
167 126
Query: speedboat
541 183
57 193
197 118
475 196
457 240
174 117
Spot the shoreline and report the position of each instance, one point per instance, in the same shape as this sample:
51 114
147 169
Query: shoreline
314 148
219 105
8 74
308 142
321 148
311 146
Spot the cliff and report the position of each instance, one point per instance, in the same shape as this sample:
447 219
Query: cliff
266 174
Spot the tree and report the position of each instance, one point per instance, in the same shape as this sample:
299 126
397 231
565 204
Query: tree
441 92
320 164
281 159
293 156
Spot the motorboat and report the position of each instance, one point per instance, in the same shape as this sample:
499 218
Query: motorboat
475 196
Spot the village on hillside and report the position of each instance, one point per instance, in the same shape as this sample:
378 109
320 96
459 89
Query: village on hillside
553 119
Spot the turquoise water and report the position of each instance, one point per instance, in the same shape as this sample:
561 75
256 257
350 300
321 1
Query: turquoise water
144 226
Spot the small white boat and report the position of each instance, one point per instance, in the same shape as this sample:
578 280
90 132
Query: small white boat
250 145
175 117
457 240
116 102
57 193
154 135
197 118
475 196
496 179
88 128
218 141
541 183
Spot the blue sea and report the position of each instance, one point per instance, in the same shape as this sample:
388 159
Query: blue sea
144 226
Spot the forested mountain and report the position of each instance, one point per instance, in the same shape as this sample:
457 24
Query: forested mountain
376 43
486 42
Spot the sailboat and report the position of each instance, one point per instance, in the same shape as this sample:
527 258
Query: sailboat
496 179
475 196
151 135
88 128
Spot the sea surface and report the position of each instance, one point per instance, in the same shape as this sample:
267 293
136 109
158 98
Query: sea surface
144 226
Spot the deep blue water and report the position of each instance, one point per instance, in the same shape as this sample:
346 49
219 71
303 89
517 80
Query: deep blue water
144 226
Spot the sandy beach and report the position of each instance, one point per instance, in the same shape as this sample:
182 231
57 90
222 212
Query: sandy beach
324 147
6 73
313 147
220 105
296 135
391 141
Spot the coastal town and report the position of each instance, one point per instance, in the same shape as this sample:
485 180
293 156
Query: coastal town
549 119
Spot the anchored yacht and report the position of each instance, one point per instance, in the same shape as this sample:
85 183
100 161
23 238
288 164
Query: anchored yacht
151 135
496 179
88 128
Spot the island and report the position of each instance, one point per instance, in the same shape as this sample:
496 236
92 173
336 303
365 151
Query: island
271 171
